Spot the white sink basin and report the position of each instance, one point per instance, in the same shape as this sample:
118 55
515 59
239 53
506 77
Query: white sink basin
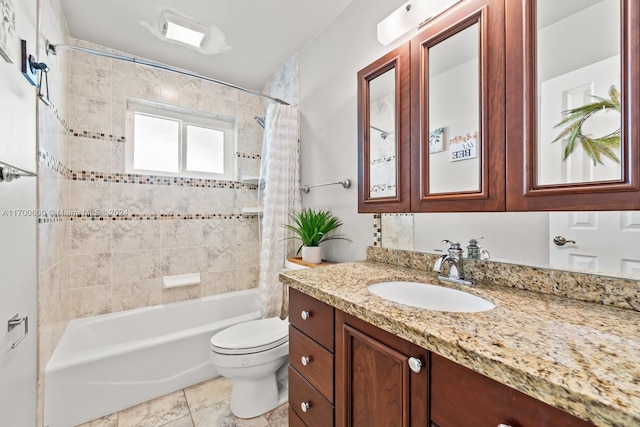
431 297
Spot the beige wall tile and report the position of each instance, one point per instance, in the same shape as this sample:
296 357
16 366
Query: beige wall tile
219 257
248 278
219 200
219 231
85 196
181 200
87 154
90 82
127 296
90 237
181 261
248 230
137 198
90 270
136 235
249 254
87 114
131 267
219 282
90 301
181 294
181 233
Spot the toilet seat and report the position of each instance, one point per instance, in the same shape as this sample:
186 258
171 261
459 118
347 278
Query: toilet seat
251 337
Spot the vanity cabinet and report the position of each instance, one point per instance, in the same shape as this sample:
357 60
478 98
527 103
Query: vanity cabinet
461 397
311 361
375 378
375 384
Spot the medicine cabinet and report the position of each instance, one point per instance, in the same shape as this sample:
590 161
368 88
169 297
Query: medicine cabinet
384 134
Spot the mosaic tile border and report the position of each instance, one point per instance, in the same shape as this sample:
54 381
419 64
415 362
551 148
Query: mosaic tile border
114 215
96 135
127 178
377 230
47 160
252 156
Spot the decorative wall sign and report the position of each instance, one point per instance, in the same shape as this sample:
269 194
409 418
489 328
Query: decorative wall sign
436 140
464 147
7 28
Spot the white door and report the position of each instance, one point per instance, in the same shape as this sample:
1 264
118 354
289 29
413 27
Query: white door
18 268
606 242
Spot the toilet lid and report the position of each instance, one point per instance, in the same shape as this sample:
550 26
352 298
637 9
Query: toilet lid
251 337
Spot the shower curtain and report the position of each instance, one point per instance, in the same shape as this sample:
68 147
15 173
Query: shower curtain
280 182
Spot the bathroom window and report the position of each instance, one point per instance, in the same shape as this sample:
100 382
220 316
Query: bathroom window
175 141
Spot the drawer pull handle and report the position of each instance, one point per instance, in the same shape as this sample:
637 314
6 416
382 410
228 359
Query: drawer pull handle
415 365
305 360
305 314
305 406
504 425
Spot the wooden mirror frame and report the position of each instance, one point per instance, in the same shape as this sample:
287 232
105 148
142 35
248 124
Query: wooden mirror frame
400 60
491 194
523 192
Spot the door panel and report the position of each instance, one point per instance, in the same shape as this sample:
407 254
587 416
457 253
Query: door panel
617 231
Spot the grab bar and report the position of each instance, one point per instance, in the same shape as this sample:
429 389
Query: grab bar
346 183
9 172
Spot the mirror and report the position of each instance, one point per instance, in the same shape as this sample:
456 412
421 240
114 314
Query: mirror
606 243
578 60
454 113
383 151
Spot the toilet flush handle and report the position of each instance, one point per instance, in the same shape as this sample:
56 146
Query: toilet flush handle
305 314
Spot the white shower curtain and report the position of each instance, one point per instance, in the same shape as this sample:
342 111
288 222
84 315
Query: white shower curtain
280 176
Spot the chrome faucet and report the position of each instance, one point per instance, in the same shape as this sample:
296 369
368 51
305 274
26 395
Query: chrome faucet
456 267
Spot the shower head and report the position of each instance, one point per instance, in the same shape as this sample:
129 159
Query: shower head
260 121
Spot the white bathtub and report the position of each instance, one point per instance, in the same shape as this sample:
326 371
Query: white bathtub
107 363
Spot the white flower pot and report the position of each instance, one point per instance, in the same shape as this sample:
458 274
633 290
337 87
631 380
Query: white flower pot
312 254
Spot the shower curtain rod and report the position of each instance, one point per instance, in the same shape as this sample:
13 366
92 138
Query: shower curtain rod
54 48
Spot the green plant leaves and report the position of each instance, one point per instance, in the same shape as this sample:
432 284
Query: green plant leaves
595 148
313 227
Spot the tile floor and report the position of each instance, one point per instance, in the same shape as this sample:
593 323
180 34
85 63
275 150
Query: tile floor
202 405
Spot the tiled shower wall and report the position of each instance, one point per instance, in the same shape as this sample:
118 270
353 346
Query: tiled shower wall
165 226
53 194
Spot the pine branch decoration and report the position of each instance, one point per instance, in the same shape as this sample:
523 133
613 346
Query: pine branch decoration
595 148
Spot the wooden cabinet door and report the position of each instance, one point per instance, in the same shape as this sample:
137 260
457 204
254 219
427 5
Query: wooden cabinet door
461 397
374 384
558 62
384 134
458 110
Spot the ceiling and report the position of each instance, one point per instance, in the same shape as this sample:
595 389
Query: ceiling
262 35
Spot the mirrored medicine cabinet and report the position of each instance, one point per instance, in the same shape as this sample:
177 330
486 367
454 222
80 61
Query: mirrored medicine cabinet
519 105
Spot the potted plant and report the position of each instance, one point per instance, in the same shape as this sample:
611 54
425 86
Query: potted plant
313 227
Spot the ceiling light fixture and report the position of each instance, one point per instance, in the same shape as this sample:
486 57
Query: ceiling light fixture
408 16
183 30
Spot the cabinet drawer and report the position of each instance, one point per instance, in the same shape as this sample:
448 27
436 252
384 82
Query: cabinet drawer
312 317
461 397
319 412
319 368
294 419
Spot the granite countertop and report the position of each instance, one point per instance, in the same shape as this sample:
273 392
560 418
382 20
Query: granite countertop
581 357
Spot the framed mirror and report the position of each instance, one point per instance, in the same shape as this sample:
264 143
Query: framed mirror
384 134
571 121
458 110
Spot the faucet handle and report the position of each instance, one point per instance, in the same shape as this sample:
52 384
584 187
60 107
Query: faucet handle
452 244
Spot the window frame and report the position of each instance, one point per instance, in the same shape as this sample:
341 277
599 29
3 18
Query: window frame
185 117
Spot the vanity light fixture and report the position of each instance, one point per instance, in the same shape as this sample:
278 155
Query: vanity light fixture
408 16
183 30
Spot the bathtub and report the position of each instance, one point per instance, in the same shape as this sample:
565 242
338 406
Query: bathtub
104 364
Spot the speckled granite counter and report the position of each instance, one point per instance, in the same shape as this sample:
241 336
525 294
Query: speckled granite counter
581 357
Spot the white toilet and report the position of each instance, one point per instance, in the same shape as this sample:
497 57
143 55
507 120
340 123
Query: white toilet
254 355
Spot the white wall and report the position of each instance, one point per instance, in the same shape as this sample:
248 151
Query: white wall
18 230
328 104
